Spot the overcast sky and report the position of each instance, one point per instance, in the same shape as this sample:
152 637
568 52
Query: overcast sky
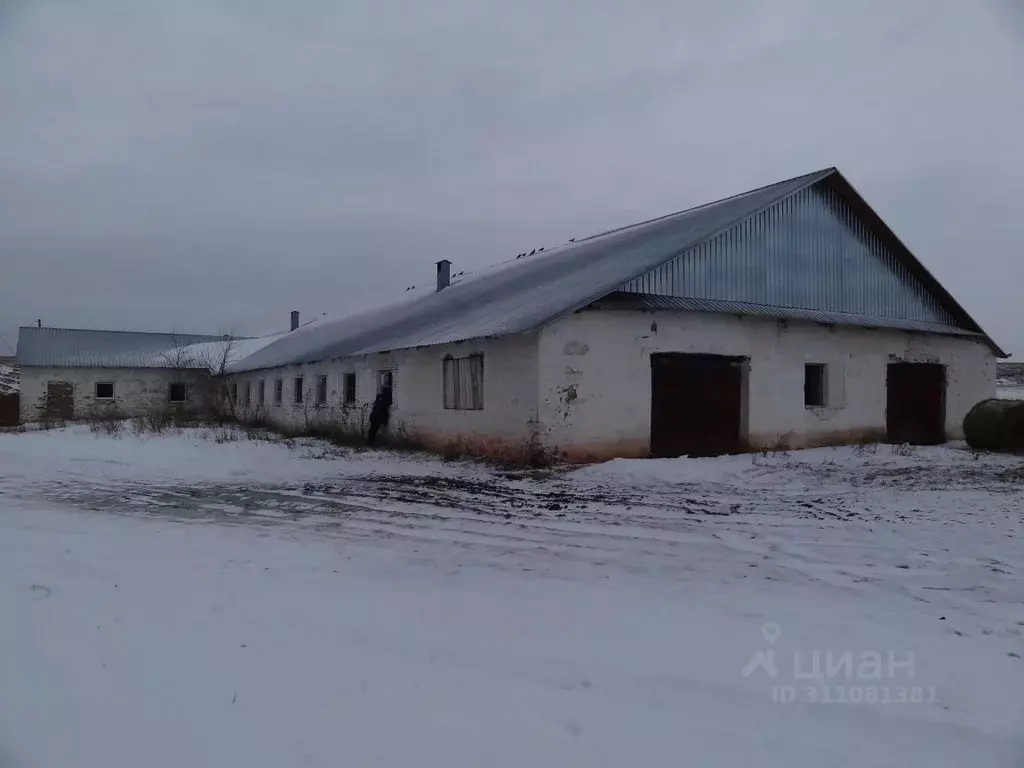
209 165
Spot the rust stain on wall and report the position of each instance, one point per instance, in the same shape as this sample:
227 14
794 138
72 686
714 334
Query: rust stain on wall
796 441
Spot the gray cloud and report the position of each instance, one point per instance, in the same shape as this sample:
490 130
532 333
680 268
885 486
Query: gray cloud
211 164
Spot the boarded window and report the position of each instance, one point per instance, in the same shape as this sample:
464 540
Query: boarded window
464 383
278 391
104 390
321 390
349 388
261 392
815 378
177 392
60 400
297 390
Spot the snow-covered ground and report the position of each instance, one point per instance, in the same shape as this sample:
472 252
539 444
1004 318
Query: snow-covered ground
1010 381
193 599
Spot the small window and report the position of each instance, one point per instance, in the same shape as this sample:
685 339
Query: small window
349 388
234 392
177 393
104 390
814 385
297 390
278 391
385 380
464 383
261 392
248 393
321 390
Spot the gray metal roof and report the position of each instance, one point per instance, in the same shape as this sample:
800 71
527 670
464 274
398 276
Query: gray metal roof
644 301
81 348
521 294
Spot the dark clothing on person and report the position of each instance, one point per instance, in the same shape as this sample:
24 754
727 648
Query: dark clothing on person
379 414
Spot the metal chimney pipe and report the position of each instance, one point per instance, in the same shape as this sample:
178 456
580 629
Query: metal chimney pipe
295 319
444 274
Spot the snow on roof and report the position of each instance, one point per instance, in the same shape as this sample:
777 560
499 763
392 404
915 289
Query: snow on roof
86 348
224 354
523 293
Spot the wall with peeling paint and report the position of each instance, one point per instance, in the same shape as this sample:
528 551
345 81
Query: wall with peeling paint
595 377
504 425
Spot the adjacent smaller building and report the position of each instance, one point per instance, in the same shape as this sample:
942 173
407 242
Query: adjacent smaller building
1010 381
75 373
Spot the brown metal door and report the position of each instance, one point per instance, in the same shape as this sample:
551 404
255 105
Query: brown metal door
9 410
696 403
915 408
60 400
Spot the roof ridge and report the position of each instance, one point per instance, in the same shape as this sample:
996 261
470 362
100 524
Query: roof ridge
822 173
210 336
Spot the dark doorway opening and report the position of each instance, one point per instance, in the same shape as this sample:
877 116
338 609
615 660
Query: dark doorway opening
60 400
915 407
10 410
696 405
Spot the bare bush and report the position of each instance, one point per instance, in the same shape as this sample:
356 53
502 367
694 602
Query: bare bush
105 419
203 370
222 435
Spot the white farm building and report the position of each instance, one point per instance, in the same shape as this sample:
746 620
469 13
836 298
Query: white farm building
788 315
70 373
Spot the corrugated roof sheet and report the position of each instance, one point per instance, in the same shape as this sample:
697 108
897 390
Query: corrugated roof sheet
82 348
644 301
212 354
521 294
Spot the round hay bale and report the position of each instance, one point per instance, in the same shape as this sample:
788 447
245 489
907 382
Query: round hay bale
996 425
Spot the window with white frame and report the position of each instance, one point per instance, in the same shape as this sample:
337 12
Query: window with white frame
464 383
104 390
321 390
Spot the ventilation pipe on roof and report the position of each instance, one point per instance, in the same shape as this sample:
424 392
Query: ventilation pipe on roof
295 319
444 274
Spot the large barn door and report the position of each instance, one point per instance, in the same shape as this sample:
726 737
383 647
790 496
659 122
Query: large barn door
696 405
915 408
60 400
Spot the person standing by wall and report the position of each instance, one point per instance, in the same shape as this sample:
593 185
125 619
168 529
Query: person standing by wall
379 413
